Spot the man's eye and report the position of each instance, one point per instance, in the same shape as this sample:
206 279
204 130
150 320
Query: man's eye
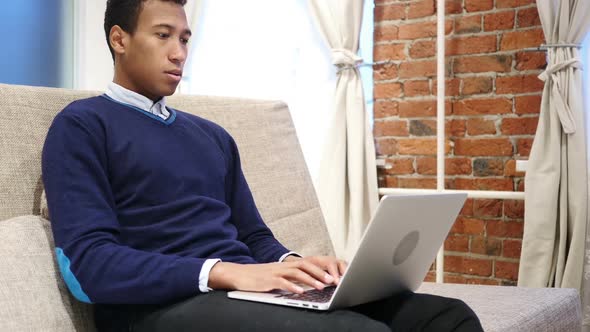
163 35
184 41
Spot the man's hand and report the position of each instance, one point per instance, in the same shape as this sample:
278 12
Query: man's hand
335 267
317 272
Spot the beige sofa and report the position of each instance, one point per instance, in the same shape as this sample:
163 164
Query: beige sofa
33 297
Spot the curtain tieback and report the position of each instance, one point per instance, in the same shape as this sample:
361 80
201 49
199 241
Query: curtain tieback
558 99
345 59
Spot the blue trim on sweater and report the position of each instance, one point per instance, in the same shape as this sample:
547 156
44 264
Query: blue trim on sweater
167 122
64 267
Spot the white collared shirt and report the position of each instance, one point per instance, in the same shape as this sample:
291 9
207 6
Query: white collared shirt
126 96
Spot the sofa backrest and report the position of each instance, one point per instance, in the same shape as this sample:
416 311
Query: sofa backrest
34 296
271 157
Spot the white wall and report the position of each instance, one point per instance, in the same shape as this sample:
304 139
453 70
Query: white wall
93 66
67 45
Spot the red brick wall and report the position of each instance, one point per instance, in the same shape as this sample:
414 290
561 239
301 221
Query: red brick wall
492 105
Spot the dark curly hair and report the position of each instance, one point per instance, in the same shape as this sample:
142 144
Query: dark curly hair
125 14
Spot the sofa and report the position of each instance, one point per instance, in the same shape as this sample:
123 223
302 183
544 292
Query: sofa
34 298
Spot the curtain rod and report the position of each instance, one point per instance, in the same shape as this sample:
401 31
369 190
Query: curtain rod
545 47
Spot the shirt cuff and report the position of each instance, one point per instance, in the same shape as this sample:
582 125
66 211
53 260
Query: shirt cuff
204 275
288 254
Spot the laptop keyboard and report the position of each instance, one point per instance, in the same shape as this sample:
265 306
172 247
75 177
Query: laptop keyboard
312 295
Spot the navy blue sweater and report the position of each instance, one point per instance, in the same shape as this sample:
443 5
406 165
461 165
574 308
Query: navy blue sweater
137 203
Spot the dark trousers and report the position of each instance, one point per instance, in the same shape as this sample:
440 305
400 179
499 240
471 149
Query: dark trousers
215 312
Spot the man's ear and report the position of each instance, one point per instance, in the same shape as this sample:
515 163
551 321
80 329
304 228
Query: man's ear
118 39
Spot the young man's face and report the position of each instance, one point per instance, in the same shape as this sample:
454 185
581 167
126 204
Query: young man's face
155 53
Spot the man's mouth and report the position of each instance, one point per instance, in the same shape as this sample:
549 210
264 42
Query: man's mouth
174 74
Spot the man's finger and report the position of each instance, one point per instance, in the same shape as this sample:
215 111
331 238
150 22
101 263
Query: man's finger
314 270
290 286
304 278
329 264
333 270
342 266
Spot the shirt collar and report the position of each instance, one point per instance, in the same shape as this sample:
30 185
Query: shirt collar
126 96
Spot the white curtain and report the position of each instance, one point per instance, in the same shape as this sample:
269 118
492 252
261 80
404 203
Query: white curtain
347 182
556 183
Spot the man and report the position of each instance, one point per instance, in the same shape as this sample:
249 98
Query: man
152 216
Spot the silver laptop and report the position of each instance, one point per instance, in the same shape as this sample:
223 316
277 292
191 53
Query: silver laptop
395 253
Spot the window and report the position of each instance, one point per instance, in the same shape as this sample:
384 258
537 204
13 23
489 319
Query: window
270 50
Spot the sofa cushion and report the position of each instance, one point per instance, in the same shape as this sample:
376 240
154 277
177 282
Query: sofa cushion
25 115
44 209
513 309
32 294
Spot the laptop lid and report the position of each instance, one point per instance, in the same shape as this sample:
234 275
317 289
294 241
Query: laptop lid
395 253
398 247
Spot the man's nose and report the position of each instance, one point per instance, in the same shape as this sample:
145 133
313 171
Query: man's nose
178 53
